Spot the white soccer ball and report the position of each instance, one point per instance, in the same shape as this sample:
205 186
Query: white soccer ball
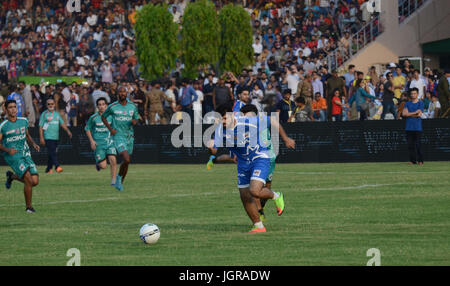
149 233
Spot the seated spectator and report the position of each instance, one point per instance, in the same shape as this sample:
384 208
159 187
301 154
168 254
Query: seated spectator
319 107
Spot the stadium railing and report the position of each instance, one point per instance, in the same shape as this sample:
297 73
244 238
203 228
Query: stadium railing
408 7
358 41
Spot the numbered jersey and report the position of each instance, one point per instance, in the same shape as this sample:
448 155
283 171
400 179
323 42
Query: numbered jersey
14 136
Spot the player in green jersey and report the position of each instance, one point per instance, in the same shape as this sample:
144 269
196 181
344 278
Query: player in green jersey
13 137
101 141
124 115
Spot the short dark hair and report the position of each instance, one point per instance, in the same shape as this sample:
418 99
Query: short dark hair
100 99
413 89
249 108
286 91
8 102
300 99
224 108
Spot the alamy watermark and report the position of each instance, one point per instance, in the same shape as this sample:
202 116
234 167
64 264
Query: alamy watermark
247 134
75 257
375 253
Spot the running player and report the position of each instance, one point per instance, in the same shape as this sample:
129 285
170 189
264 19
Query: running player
253 159
101 141
13 137
248 110
124 115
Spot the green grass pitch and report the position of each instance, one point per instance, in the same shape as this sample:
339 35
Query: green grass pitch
334 214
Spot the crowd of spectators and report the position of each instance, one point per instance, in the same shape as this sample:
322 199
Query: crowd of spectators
291 40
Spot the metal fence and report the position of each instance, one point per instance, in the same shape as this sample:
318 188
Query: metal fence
357 41
407 7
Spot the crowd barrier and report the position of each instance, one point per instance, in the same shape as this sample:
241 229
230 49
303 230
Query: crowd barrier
316 142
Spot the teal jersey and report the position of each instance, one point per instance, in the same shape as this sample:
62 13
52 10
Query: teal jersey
122 115
50 122
100 133
15 136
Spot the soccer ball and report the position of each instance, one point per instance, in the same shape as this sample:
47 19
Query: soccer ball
149 233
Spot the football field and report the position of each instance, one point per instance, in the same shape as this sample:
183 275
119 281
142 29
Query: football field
334 214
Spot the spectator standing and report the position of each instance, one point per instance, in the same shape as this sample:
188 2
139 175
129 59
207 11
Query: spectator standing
399 83
412 111
98 93
418 83
388 97
336 106
444 93
15 95
186 97
334 82
29 106
285 107
221 94
305 89
197 105
153 105
49 124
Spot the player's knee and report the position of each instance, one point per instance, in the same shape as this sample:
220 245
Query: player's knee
126 160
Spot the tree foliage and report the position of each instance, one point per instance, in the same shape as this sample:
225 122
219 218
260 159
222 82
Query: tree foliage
200 36
236 50
156 41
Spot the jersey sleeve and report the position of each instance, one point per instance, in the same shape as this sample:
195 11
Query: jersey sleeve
42 119
88 125
108 112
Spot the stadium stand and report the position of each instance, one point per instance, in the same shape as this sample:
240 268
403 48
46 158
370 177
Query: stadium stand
297 45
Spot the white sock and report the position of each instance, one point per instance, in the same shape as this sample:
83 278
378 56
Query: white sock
275 196
259 224
113 181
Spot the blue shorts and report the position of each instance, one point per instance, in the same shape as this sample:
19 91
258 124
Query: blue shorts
258 170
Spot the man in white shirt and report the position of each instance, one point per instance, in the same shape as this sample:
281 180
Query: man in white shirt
92 19
419 84
292 79
257 47
197 105
317 84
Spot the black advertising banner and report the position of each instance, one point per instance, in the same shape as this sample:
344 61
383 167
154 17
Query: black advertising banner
316 142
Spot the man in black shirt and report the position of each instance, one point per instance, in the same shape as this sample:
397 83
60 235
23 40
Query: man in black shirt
388 97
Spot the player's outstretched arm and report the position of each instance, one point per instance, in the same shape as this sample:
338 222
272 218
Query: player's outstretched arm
111 130
290 143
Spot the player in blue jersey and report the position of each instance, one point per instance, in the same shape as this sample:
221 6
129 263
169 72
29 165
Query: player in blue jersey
244 99
247 110
243 137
